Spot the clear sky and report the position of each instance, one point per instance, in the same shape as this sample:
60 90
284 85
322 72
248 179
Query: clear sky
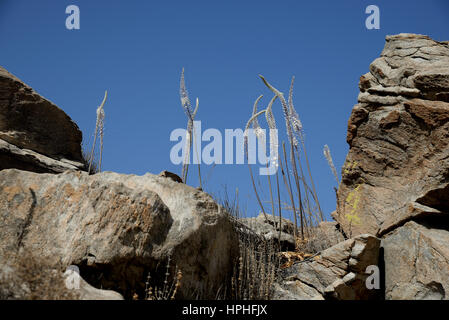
136 50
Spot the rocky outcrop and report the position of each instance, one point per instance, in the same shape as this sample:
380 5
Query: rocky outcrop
268 229
338 272
398 165
117 228
417 262
325 235
35 134
87 292
27 279
395 181
24 159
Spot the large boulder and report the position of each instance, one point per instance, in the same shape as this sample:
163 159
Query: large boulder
397 168
338 272
23 276
395 181
117 228
24 159
35 134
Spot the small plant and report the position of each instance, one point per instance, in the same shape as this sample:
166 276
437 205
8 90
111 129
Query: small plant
169 288
99 131
300 189
256 270
190 131
32 278
92 167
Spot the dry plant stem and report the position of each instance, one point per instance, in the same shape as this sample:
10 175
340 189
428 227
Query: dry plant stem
291 140
257 194
98 126
184 176
315 215
199 165
311 179
91 158
311 213
271 197
279 204
186 105
289 188
291 191
295 175
309 209
101 148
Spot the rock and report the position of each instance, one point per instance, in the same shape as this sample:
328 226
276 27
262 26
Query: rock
395 181
325 235
38 127
25 276
335 273
417 262
87 292
171 175
397 168
116 228
19 283
269 230
23 159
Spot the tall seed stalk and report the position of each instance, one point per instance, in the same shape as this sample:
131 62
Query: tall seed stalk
99 127
190 131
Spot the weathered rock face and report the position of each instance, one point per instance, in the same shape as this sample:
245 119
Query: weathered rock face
268 229
325 235
117 228
88 292
417 262
35 134
24 159
397 168
336 273
27 280
395 182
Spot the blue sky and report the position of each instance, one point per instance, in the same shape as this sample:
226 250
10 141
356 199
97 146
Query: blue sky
136 50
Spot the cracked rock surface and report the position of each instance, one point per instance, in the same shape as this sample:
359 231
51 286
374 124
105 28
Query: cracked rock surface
395 180
336 273
116 228
398 164
35 135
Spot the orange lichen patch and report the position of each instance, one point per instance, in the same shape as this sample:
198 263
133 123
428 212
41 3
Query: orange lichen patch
72 194
68 190
49 193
